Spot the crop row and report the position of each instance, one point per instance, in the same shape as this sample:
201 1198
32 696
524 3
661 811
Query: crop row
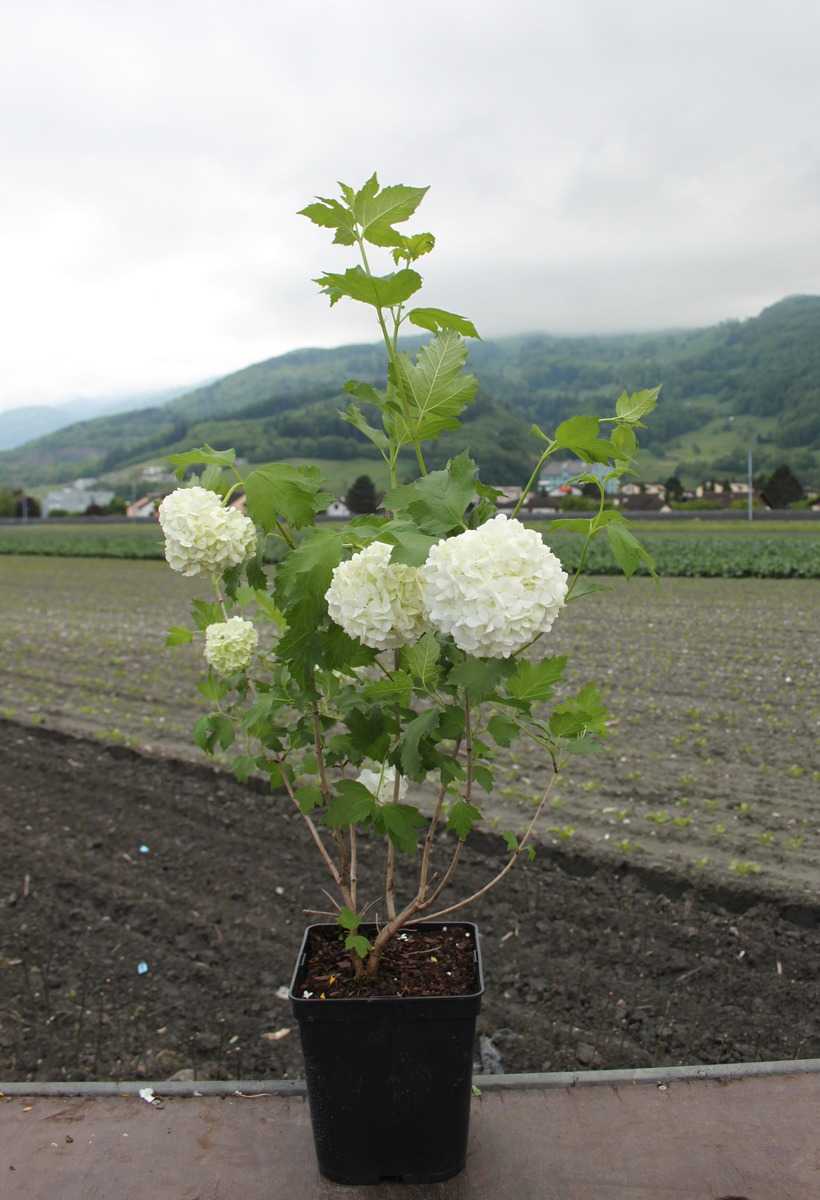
761 556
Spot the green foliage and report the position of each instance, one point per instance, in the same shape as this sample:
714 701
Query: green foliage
535 681
419 714
438 501
434 389
281 492
461 818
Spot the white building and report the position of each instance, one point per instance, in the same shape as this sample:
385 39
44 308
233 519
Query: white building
75 497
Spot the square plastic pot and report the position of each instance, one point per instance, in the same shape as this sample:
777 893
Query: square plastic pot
389 1079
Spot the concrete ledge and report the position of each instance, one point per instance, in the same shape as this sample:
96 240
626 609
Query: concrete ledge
486 1083
746 1131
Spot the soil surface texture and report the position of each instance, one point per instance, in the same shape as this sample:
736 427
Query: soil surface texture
151 912
422 960
712 766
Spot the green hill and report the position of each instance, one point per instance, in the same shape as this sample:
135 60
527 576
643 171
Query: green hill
724 388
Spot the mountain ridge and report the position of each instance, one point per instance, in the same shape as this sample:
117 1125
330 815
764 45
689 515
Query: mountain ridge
725 386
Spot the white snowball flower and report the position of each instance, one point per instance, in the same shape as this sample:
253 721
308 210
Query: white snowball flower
493 589
230 645
377 601
201 534
382 784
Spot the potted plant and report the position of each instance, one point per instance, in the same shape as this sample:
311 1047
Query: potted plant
403 647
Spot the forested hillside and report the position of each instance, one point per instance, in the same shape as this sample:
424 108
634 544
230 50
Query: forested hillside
726 387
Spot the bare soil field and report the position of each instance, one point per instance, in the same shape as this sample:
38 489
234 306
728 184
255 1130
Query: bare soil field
712 770
151 910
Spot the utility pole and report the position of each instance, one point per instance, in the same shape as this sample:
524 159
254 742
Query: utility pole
750 483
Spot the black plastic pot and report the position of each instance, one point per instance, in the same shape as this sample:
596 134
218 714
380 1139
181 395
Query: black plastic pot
389 1079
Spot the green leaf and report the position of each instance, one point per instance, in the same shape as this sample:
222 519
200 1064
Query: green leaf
364 392
479 677
585 587
213 688
581 525
535 681
413 246
422 726
243 767
398 689
359 944
422 659
627 550
205 613
378 211
309 798
580 434
348 919
369 732
461 818
203 454
437 319
437 501
503 730
304 576
435 387
267 607
178 635
402 823
624 441
280 490
330 214
451 722
411 546
639 404
351 805
483 777
382 291
584 713
354 416
511 841
212 729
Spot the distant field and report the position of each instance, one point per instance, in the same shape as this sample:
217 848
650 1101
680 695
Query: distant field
778 551
714 684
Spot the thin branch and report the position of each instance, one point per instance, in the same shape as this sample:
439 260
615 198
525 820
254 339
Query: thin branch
314 833
354 869
443 912
424 869
390 881
448 875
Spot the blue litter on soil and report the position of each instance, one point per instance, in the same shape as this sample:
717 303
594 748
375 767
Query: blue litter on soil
145 849
142 968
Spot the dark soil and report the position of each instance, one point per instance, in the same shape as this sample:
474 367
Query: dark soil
586 965
434 961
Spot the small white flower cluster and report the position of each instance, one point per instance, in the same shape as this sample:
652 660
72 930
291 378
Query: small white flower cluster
377 601
493 589
201 534
230 645
382 784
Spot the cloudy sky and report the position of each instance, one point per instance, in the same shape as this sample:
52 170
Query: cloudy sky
595 165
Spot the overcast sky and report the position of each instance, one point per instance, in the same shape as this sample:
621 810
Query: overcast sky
594 165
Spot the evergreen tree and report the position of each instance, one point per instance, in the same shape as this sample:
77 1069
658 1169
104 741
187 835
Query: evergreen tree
674 488
361 496
782 488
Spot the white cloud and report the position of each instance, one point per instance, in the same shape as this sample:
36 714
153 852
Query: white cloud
594 166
